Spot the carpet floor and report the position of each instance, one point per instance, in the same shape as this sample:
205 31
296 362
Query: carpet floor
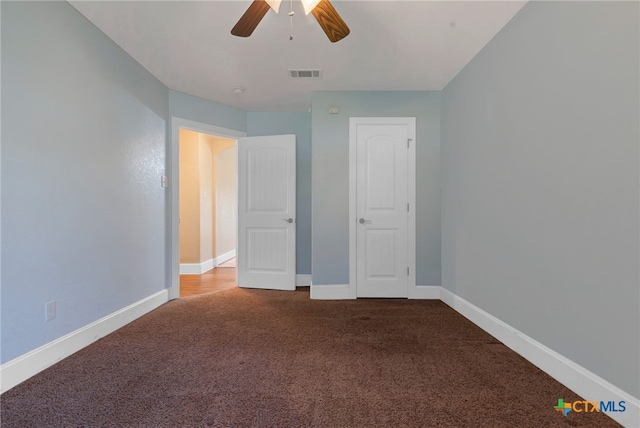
254 358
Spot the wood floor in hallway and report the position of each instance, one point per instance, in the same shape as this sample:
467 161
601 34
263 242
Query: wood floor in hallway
217 279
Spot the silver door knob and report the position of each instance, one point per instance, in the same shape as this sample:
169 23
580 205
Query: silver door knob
363 221
288 220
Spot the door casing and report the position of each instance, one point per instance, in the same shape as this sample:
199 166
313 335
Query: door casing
354 122
173 214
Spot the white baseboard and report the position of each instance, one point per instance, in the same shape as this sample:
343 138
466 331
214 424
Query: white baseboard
575 377
224 257
331 292
429 292
206 266
303 280
344 292
25 366
197 268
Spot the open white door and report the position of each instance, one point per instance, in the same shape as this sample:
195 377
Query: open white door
267 212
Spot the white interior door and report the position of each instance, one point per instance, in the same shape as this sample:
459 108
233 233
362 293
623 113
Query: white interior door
267 212
384 254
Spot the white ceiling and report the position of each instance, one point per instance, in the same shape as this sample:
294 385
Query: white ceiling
393 45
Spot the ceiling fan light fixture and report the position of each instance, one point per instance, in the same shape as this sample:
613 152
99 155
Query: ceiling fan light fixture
274 4
322 10
309 5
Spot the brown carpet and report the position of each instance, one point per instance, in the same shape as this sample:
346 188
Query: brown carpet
253 358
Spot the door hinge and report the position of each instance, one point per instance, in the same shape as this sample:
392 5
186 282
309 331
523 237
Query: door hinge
407 270
408 142
407 207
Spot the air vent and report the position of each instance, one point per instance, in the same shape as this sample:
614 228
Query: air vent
305 74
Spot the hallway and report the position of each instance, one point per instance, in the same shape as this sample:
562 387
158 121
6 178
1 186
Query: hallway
217 279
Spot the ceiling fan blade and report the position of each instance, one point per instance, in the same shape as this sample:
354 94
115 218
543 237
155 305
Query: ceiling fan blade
251 18
332 24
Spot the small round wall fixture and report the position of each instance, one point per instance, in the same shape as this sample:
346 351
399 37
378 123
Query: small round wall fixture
238 90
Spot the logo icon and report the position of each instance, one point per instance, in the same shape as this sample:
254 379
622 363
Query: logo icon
563 407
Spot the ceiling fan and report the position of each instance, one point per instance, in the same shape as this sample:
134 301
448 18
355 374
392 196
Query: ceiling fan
332 24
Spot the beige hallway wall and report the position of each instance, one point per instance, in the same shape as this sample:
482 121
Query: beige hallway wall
189 196
226 200
207 196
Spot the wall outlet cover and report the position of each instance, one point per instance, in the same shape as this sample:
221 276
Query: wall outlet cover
50 310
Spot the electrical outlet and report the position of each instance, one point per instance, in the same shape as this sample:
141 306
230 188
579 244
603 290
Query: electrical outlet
50 310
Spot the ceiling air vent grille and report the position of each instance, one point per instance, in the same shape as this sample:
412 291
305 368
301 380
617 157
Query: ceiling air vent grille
305 74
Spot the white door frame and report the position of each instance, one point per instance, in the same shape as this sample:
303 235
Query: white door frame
178 123
411 195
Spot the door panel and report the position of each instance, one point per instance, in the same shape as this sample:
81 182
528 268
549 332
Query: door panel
380 180
382 210
380 246
267 179
266 212
267 249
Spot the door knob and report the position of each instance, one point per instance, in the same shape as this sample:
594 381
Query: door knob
363 221
288 220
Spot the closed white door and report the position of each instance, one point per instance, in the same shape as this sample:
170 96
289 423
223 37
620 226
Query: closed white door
384 255
267 212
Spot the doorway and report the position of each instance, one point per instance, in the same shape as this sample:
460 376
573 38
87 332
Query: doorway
382 192
208 211
210 242
208 201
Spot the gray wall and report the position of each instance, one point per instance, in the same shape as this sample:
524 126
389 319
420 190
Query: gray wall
298 123
205 111
330 182
83 148
540 182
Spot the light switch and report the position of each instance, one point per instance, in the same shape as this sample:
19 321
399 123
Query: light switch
164 181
